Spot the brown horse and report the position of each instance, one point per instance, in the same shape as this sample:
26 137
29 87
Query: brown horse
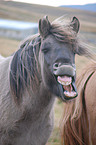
79 119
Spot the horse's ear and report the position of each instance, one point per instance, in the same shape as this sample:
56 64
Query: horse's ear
75 24
44 26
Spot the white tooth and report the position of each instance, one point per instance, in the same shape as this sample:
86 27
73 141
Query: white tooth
70 94
64 83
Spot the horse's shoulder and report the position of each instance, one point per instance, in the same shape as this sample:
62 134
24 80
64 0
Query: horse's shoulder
91 82
4 70
90 92
4 61
1 58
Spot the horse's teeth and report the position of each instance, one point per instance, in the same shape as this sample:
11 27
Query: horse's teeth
64 80
64 83
70 94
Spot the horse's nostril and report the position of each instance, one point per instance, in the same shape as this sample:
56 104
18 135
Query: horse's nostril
56 65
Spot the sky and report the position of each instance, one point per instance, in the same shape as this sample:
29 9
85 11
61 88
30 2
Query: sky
58 2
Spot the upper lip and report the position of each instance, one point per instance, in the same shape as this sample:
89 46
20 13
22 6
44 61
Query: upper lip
67 70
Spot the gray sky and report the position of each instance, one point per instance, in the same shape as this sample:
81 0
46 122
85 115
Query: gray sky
58 2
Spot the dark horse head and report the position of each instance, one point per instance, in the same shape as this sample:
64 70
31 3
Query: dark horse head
57 57
48 57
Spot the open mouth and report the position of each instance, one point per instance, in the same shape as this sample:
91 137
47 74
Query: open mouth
68 88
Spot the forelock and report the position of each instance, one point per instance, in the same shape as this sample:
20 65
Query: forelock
63 32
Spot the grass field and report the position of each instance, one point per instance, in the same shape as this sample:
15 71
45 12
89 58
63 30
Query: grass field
32 13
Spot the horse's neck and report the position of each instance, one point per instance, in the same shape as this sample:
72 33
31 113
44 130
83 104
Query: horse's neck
46 98
38 103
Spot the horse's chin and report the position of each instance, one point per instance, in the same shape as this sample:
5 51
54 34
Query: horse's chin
67 87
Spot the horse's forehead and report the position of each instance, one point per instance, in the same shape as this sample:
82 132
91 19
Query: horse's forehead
51 41
48 40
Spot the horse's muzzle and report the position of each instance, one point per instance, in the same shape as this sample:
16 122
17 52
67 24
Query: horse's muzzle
64 70
65 76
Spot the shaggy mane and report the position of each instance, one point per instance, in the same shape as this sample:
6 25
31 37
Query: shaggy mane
24 66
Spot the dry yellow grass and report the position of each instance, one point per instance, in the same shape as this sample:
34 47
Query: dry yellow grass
8 46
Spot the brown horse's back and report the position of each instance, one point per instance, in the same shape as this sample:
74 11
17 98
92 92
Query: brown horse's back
79 118
90 99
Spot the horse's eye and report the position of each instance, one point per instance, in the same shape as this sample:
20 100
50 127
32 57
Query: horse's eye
45 50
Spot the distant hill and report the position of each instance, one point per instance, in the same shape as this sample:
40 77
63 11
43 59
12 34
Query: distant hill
88 7
32 13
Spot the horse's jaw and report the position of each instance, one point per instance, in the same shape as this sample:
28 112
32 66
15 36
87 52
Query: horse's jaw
67 87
